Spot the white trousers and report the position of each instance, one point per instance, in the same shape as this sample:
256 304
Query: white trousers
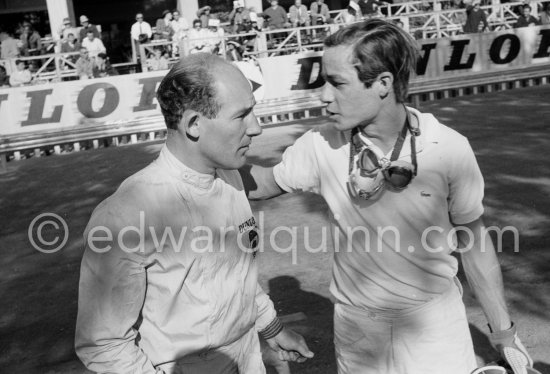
433 338
241 357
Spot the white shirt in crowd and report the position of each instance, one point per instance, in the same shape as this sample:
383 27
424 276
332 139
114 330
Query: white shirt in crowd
94 46
20 77
139 28
180 27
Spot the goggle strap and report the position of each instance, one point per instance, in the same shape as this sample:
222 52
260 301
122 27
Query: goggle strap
400 139
413 154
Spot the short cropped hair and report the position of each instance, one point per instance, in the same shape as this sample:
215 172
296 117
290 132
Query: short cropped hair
379 46
189 85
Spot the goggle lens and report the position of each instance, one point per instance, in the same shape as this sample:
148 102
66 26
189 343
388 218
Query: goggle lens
398 177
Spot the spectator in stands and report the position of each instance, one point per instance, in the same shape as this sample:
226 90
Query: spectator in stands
87 26
197 43
526 19
22 76
204 16
102 67
164 26
299 17
319 13
369 8
70 44
4 78
84 65
234 51
238 16
277 18
66 29
9 47
93 45
31 41
475 16
157 61
179 25
352 13
140 31
545 15
215 34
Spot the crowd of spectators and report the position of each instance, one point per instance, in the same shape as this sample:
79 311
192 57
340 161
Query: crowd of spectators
92 60
86 52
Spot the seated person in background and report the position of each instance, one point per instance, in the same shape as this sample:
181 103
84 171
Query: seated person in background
84 65
233 52
352 13
475 16
102 67
141 30
164 26
203 14
93 45
526 19
70 44
87 26
22 76
215 34
238 15
157 61
66 29
31 42
276 16
298 14
4 78
319 13
9 47
197 35
369 8
180 27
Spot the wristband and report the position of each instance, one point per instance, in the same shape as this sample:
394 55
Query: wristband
272 330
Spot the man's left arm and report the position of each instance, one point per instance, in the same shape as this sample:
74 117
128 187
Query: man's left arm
484 276
289 345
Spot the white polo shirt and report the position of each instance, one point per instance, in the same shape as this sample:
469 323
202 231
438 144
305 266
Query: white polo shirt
393 251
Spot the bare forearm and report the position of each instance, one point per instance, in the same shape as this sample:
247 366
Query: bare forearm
485 277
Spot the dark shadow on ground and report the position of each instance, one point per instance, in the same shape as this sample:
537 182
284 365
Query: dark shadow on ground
289 298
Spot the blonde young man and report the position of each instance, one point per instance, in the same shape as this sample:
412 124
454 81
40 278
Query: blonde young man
168 282
398 183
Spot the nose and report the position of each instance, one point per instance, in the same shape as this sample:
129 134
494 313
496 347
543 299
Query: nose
326 94
253 127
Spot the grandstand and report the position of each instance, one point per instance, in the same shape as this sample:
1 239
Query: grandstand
436 25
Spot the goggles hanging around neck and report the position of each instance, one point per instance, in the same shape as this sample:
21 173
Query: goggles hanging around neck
369 171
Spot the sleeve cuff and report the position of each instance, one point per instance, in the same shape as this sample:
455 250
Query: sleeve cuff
272 330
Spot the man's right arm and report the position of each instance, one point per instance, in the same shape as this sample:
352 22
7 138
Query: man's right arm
111 295
259 182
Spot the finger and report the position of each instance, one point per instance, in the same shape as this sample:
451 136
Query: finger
293 356
286 355
304 350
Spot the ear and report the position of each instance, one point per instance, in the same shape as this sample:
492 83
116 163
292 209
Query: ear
385 84
189 125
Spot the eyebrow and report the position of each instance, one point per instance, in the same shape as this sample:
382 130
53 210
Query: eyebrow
245 111
332 77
